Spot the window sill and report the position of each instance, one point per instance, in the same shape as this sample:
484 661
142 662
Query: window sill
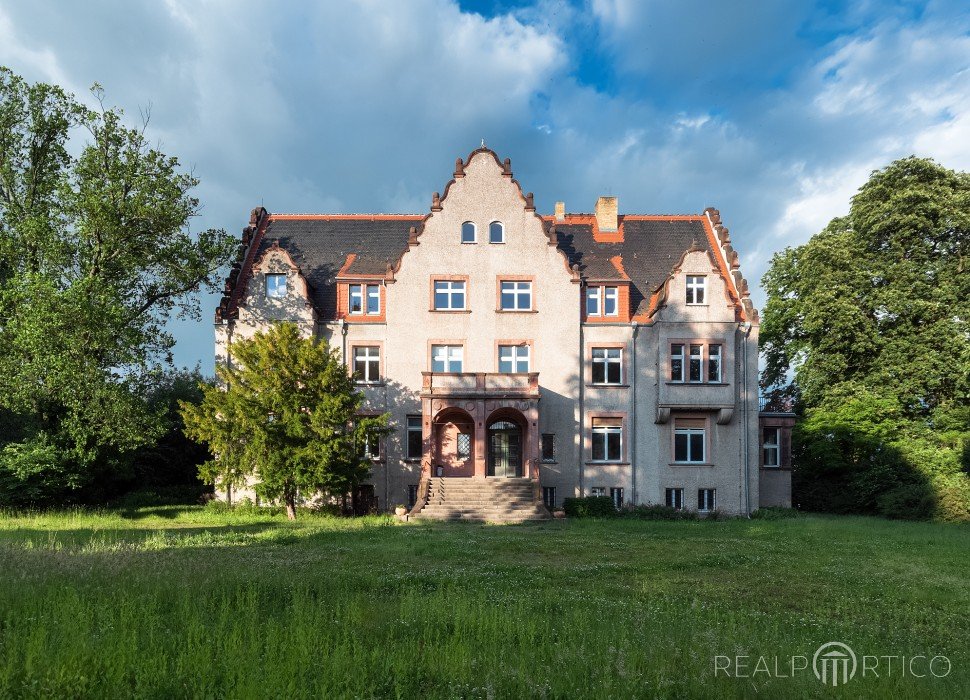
549 461
516 311
607 462
371 385
607 386
412 460
673 383
690 464
450 311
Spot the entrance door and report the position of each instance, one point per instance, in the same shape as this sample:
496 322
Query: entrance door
504 449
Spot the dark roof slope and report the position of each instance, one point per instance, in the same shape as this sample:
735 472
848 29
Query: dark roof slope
650 249
320 247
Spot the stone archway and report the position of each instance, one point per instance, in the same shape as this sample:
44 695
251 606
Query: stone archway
506 440
453 440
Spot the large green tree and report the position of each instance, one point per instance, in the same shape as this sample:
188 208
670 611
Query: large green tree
870 319
286 416
95 256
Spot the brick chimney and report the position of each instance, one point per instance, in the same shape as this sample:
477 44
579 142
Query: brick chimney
560 211
606 213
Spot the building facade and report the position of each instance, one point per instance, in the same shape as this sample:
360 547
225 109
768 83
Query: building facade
581 354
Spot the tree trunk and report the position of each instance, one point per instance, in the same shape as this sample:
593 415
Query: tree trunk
290 506
229 495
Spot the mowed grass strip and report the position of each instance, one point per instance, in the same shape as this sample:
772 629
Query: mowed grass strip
192 602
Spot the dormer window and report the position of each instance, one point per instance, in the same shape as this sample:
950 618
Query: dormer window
496 232
696 289
469 232
275 286
365 299
602 301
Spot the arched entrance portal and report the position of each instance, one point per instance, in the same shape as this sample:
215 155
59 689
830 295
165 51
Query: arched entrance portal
454 443
505 443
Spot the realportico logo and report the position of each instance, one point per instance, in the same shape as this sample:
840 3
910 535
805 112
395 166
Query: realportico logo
833 664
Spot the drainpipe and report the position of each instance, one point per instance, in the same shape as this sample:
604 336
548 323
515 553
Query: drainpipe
745 448
633 424
582 397
343 331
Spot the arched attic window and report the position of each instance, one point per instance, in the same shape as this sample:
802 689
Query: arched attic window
496 232
468 232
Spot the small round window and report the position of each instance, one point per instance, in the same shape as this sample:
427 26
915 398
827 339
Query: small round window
468 232
496 232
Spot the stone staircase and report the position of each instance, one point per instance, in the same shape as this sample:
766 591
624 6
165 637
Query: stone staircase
494 500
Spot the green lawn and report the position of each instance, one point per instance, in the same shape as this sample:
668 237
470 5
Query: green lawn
184 601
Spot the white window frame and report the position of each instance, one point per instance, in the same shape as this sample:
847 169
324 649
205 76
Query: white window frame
597 491
450 289
594 295
368 355
474 232
774 447
413 425
674 498
699 359
616 493
677 356
688 433
449 356
501 228
715 360
273 289
364 293
706 500
606 357
515 355
549 497
520 292
611 294
696 290
603 433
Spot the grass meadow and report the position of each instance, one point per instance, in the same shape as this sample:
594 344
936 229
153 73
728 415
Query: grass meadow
172 602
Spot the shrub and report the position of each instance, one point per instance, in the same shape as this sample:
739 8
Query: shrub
589 507
657 512
907 502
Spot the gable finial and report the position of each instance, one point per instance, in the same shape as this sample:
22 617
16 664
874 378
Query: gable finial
483 142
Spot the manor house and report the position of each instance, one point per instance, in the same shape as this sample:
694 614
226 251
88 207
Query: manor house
527 358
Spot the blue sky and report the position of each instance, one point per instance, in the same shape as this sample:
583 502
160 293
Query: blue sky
775 112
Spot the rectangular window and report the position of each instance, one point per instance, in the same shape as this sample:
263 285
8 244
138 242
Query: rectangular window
364 298
597 491
617 495
611 306
713 363
412 495
415 438
675 498
464 445
771 446
449 295
516 296
372 446
696 286
275 286
367 364
689 444
513 358
593 301
446 358
607 440
677 362
549 497
705 500
548 447
607 365
696 363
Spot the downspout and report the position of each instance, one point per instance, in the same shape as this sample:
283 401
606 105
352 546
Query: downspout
745 447
633 426
343 332
582 398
